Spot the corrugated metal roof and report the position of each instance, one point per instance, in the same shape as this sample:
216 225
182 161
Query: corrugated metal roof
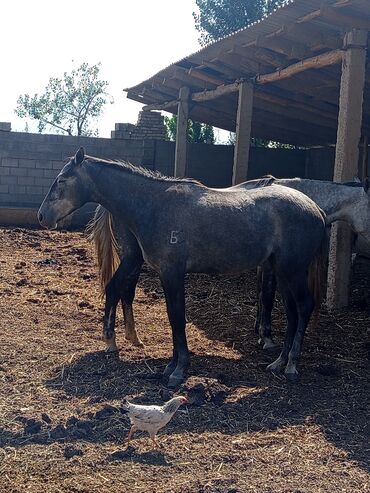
279 107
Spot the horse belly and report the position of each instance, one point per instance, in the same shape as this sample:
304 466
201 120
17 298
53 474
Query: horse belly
229 254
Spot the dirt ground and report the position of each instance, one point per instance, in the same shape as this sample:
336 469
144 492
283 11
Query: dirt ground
244 431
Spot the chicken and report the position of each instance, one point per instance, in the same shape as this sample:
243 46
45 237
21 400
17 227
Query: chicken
151 418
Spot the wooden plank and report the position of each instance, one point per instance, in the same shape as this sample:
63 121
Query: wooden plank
319 61
243 133
181 131
363 163
346 162
198 74
215 93
169 105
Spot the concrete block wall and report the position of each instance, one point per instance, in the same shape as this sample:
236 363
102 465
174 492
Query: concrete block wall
29 164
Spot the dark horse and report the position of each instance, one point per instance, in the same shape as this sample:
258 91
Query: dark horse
182 226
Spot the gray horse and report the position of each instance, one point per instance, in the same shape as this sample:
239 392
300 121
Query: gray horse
349 202
182 226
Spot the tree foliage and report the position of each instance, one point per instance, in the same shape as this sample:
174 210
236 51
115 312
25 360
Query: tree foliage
218 18
197 133
69 104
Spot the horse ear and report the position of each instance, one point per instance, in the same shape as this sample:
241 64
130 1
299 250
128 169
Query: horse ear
80 156
366 185
356 179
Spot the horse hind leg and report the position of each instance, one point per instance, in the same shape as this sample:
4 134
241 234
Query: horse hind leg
305 305
266 302
292 318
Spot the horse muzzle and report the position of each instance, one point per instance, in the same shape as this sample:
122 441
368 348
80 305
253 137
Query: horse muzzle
46 220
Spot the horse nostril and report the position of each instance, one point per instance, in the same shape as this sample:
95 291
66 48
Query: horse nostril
40 216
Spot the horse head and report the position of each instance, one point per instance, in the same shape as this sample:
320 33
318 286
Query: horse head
66 194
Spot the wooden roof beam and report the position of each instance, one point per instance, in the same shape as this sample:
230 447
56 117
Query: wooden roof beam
222 68
314 62
198 74
319 61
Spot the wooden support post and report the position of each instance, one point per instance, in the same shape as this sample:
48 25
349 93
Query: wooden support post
243 133
346 160
181 131
362 166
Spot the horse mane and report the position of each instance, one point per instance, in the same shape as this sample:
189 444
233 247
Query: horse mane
266 181
128 167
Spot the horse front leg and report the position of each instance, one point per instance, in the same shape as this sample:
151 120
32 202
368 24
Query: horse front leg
127 297
173 286
112 296
123 282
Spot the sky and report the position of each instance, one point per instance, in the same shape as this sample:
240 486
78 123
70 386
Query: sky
133 40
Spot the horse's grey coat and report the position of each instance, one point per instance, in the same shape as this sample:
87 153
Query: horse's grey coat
182 226
348 202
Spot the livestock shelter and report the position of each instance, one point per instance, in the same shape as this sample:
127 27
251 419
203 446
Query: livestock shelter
297 76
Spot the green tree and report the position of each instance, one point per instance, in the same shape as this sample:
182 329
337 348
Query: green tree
70 104
218 18
197 133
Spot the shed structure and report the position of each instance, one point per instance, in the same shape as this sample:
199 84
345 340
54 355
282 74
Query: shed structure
298 76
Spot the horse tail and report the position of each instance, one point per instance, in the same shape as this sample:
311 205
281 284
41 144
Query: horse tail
317 272
100 232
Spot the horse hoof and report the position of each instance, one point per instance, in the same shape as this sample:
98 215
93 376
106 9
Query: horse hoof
174 382
268 349
292 377
111 350
277 367
139 344
170 368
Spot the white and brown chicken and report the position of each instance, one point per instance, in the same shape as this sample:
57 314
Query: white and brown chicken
151 418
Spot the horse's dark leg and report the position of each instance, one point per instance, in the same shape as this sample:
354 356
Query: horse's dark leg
267 297
127 296
173 286
292 318
259 292
305 305
115 290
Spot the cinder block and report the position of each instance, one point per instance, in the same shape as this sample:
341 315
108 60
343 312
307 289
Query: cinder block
57 165
5 126
26 180
50 173
5 171
42 163
17 189
37 173
27 163
8 180
9 161
34 190
4 197
43 182
4 189
18 171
